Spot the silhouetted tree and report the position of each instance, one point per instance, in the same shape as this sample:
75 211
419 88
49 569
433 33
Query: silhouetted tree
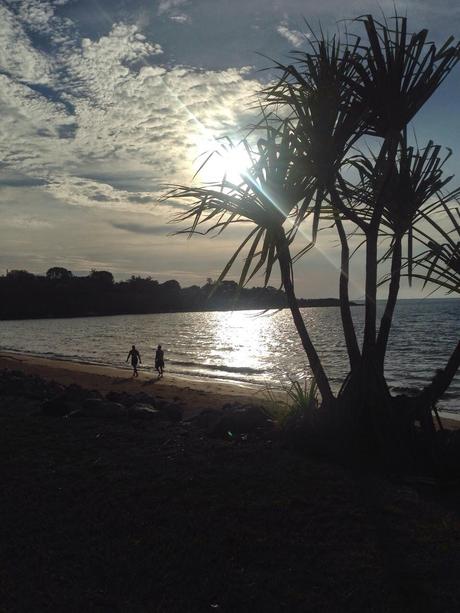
20 276
102 277
306 165
56 273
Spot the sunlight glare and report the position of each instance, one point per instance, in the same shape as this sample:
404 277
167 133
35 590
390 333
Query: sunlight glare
246 333
222 160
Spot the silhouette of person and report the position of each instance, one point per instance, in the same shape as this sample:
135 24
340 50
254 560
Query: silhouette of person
135 358
159 360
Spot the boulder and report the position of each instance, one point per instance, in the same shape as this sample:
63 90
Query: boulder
11 385
131 399
144 410
171 411
75 393
142 398
207 419
234 419
121 397
57 406
97 407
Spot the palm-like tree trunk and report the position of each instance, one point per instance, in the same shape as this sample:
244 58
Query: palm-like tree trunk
441 381
386 158
285 264
387 317
371 295
345 311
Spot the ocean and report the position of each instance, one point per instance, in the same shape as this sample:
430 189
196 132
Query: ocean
254 347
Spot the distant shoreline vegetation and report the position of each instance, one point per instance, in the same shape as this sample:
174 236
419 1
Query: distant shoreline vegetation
24 295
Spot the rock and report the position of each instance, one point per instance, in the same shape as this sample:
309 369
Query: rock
75 393
11 385
15 373
131 399
207 419
56 407
234 419
121 397
143 398
97 407
143 410
171 411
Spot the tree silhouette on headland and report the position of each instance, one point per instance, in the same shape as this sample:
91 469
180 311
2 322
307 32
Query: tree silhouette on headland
61 294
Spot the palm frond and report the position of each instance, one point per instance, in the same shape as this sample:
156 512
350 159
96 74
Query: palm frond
398 73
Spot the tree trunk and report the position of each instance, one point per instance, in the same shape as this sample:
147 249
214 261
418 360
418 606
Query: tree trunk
345 311
285 264
387 158
387 317
371 296
441 381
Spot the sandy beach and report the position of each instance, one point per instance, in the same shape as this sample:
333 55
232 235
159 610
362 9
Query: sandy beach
194 395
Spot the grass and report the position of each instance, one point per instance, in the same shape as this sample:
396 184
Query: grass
298 401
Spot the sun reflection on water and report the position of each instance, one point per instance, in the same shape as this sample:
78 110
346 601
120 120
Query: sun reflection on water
245 333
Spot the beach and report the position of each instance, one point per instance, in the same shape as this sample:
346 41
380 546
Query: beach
193 395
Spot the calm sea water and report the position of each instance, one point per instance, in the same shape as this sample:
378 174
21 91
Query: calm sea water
248 346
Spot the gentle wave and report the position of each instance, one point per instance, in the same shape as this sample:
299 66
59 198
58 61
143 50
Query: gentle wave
220 367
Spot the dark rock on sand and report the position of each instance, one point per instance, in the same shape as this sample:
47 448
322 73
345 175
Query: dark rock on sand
130 399
15 383
143 402
208 419
143 410
97 407
71 399
171 411
57 406
75 393
233 419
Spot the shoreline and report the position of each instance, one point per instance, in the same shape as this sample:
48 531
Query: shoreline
194 393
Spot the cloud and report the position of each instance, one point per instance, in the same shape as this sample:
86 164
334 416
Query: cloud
295 37
26 222
18 56
170 6
11 178
98 115
180 18
137 228
170 9
107 103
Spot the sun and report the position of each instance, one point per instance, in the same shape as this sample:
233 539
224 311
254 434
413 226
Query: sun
218 159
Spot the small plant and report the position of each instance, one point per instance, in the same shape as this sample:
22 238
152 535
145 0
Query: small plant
295 402
302 399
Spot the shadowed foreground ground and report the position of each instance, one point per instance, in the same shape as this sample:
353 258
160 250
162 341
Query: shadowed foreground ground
146 515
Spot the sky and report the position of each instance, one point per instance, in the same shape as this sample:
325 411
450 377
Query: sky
104 102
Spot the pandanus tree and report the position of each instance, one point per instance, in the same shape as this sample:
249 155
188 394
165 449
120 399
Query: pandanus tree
439 264
331 99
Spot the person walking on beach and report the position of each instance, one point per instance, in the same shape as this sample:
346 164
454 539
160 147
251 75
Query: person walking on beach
135 358
159 361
